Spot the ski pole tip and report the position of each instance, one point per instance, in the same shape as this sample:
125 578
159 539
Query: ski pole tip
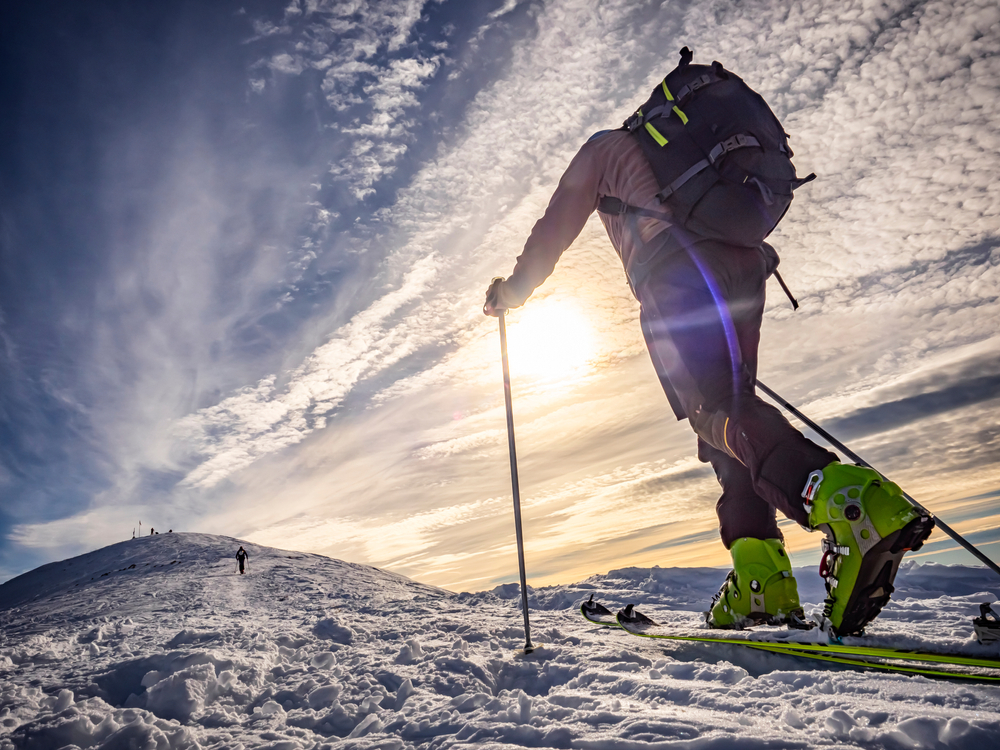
535 649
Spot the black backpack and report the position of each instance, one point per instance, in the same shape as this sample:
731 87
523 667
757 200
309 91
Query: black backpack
720 156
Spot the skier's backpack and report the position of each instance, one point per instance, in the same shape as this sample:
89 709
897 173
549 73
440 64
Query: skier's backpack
720 156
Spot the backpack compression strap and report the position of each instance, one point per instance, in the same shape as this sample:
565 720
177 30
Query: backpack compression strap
739 140
673 103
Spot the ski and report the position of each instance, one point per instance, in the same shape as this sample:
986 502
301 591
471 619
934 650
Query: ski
597 614
637 624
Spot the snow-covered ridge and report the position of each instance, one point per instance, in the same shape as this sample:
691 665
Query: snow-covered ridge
204 554
159 643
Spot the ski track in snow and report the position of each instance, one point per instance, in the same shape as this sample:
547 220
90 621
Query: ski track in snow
157 643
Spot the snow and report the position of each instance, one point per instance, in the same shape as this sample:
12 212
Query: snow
157 643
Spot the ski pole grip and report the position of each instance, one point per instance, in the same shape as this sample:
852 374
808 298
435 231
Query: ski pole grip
493 294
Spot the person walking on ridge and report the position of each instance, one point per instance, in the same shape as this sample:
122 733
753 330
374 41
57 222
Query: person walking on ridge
687 190
241 558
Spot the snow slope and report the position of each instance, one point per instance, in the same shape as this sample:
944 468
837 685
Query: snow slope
157 643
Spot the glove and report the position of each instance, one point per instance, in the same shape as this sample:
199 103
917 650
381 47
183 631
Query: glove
492 305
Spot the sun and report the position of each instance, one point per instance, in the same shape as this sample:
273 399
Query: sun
549 340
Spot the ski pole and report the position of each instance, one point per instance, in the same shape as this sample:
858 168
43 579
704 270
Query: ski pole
857 459
528 648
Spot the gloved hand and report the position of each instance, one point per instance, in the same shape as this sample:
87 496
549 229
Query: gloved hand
491 306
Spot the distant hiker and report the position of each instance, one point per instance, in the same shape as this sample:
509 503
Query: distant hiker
687 190
241 558
152 531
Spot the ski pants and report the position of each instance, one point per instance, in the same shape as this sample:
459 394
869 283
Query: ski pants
701 311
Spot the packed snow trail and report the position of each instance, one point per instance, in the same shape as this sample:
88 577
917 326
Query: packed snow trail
158 643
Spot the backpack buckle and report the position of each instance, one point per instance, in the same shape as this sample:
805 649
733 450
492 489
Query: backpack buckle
612 206
737 141
688 91
733 142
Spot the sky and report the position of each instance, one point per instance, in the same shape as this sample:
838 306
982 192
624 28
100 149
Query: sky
244 248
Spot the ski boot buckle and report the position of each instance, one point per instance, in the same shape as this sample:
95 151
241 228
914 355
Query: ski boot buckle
812 487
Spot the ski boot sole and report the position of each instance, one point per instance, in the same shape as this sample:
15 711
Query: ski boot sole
873 587
795 620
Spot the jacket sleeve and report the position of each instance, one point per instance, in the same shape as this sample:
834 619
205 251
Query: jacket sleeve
572 203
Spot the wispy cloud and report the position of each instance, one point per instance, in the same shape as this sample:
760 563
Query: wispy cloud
372 74
263 419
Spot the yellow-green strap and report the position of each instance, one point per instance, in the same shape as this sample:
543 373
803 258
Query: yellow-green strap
657 135
670 98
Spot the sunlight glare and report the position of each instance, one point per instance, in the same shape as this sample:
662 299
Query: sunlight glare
550 340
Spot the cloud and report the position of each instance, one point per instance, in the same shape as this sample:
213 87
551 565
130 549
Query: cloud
464 444
370 74
893 414
89 530
263 419
393 92
506 8
391 538
285 63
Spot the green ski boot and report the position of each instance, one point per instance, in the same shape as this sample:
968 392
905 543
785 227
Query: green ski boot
869 526
760 588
